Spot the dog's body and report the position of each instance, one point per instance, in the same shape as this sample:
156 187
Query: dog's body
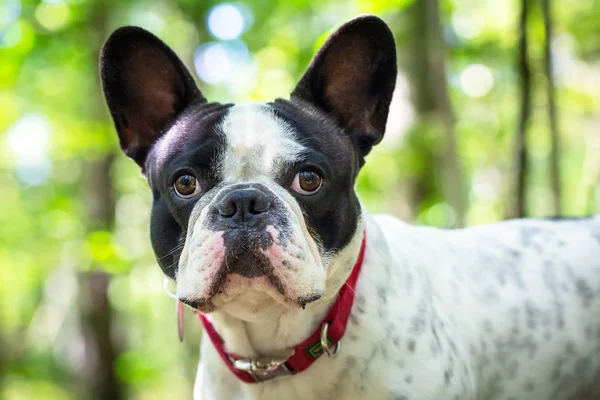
255 216
504 311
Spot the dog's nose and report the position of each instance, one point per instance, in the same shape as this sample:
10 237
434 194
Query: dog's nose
242 205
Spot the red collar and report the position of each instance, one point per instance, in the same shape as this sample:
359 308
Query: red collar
306 352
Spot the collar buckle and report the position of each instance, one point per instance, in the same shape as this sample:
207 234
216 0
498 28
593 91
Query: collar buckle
258 365
262 369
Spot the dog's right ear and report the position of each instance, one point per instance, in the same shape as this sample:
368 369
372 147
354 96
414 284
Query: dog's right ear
146 87
352 78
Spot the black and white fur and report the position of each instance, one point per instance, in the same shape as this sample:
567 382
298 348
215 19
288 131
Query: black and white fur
498 312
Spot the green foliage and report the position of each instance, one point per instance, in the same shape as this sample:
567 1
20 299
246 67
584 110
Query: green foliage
54 130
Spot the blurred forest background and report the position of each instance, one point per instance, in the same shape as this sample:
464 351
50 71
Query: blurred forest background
496 115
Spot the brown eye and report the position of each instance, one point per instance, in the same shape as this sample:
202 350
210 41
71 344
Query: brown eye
307 182
186 186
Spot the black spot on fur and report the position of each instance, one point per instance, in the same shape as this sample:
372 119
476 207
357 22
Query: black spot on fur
585 292
411 345
448 374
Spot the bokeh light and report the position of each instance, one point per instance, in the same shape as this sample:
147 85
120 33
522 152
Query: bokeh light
11 36
467 25
226 21
212 63
229 63
53 16
9 12
476 80
28 138
401 116
28 141
149 18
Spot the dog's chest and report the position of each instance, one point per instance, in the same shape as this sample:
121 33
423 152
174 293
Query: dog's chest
392 348
383 356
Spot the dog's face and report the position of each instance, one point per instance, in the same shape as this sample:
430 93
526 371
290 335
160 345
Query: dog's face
251 202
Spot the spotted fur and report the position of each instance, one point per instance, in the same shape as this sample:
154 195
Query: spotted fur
505 311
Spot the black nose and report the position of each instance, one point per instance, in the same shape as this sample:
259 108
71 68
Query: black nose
242 205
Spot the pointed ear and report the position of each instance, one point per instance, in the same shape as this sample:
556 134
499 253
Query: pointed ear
146 86
352 78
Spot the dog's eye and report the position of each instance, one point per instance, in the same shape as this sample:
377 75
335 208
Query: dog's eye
186 186
307 182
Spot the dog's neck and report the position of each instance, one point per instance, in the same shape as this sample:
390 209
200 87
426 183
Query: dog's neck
275 337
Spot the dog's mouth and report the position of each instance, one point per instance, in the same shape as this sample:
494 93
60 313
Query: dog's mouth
256 294
250 273
244 253
250 270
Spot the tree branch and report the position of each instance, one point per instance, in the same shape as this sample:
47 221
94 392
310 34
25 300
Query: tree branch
552 109
522 157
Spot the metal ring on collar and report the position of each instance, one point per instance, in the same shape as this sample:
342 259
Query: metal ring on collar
325 344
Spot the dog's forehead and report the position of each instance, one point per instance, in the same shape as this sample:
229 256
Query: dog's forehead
196 129
257 143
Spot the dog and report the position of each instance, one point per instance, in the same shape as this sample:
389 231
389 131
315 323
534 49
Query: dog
305 295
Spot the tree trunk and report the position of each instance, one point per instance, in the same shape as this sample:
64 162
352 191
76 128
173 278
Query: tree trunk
552 110
4 358
427 69
453 181
99 379
96 313
522 157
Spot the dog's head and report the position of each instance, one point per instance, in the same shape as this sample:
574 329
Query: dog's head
251 202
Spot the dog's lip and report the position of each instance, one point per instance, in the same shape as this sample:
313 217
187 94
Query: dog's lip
206 305
309 299
196 304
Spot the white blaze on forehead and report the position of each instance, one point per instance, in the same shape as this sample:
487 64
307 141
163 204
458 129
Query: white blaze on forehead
255 140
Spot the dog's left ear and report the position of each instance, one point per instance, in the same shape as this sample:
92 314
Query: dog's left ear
352 78
146 87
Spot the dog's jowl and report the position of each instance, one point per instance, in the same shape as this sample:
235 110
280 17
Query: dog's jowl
303 294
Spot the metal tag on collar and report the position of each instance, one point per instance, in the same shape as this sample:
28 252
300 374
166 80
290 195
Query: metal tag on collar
262 369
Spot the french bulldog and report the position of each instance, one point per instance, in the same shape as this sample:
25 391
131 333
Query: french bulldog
303 293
